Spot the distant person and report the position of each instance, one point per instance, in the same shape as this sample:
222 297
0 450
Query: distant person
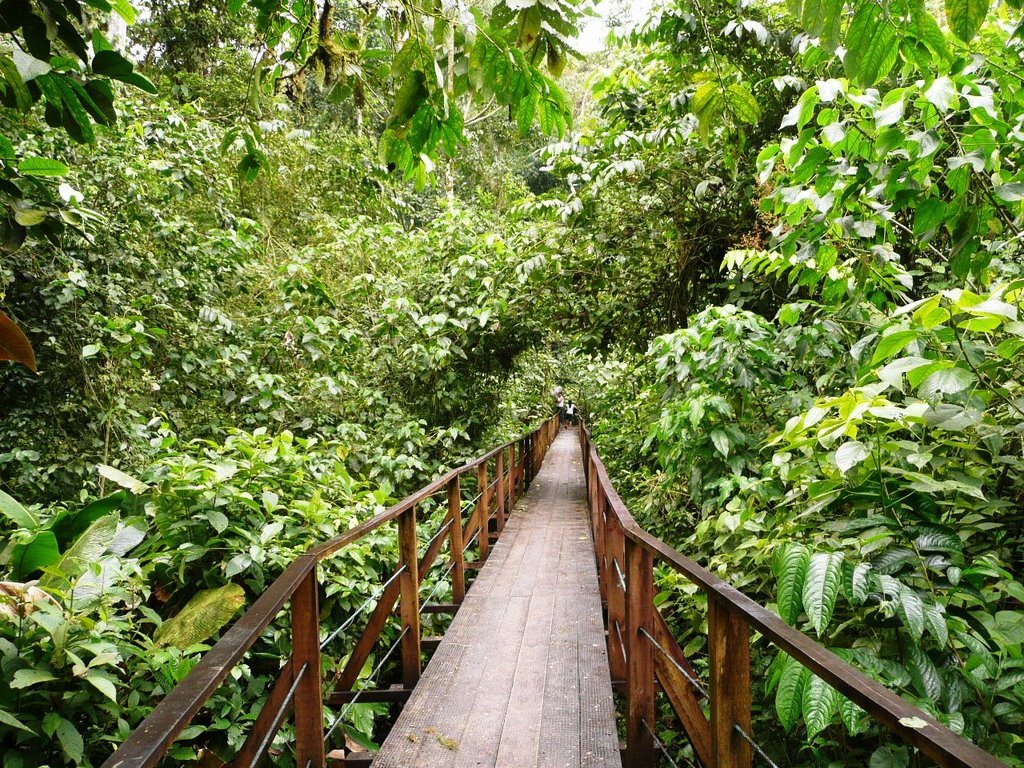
559 396
570 413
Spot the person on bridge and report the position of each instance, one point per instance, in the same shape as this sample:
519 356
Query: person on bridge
570 413
559 395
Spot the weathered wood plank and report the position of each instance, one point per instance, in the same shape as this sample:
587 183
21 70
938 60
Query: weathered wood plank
521 678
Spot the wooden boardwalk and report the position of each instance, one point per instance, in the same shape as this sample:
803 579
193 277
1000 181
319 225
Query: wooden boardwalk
521 677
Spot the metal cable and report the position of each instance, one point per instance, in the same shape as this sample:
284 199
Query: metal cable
351 619
682 670
622 576
622 645
755 746
439 534
470 542
433 592
372 677
271 733
661 747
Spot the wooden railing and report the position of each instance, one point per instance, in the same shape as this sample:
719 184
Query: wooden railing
643 654
501 477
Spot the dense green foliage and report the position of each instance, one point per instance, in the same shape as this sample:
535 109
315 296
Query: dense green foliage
836 429
775 253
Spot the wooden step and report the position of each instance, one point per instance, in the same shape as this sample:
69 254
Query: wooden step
338 759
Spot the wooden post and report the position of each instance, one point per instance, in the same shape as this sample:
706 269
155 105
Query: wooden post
409 586
729 659
526 463
600 539
455 532
616 596
309 711
499 471
483 510
521 467
640 748
512 495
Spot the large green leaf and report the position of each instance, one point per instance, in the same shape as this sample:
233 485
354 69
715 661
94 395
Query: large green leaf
965 17
204 615
892 343
852 715
408 100
872 45
850 454
911 612
9 74
123 479
115 66
821 587
791 568
71 524
742 104
947 381
42 166
14 511
923 673
88 548
820 703
39 552
789 695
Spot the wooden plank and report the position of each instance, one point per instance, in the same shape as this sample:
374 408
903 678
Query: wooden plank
455 534
729 662
681 694
394 694
640 748
275 708
499 470
615 557
560 725
309 713
441 608
494 690
520 736
409 588
483 512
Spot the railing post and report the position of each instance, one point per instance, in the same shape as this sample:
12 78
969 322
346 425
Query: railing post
613 552
309 711
511 481
521 467
484 511
729 659
499 471
640 747
455 541
409 586
528 462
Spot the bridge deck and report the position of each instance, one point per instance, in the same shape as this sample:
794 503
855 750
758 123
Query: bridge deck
521 678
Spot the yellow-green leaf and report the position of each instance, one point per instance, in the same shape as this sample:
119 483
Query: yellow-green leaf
204 615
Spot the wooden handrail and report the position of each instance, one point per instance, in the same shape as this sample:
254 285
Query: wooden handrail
731 616
299 687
